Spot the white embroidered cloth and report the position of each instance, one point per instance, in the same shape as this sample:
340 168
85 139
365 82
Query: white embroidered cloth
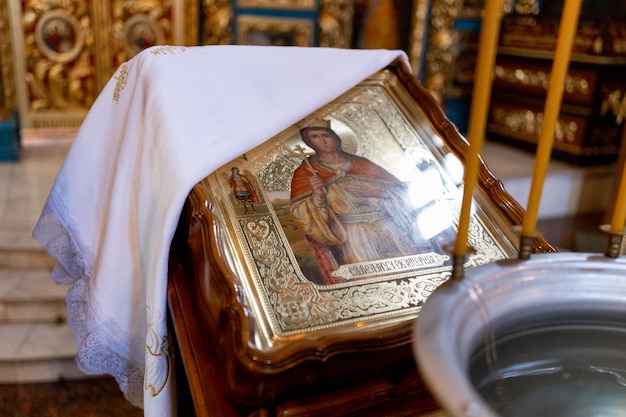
165 120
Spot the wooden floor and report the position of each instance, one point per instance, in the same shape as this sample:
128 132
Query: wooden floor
24 185
94 397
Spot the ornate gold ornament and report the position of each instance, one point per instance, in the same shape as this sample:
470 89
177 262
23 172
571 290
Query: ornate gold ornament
278 31
69 49
58 47
7 80
528 123
441 49
217 22
277 4
58 36
335 23
538 78
139 24
615 102
523 6
418 31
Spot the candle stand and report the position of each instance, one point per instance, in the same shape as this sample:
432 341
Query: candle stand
614 244
542 335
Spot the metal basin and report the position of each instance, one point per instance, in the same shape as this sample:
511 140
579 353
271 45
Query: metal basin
540 337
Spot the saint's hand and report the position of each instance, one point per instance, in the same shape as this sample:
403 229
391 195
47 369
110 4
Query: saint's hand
318 186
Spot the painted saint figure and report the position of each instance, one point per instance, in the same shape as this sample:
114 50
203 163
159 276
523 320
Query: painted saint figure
243 189
350 209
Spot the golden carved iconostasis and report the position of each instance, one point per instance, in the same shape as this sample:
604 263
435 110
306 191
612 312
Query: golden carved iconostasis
58 54
54 87
64 51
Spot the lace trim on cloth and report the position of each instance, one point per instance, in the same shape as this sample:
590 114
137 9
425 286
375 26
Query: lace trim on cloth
54 232
94 355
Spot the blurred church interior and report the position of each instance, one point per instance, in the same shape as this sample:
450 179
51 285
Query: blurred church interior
57 55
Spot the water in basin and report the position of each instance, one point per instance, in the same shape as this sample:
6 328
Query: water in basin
559 370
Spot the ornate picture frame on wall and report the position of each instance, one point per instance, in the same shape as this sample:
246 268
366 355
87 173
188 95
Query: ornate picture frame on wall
140 32
442 48
68 51
331 22
59 36
277 5
7 96
274 31
308 261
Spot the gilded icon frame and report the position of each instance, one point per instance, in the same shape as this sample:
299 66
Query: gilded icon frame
59 36
275 31
288 5
380 125
140 31
244 308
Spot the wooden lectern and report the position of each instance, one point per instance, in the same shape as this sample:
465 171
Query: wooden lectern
292 291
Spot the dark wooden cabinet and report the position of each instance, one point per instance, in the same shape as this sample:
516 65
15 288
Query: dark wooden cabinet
590 122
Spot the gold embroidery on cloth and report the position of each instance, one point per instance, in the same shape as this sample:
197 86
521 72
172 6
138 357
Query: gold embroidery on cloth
121 82
157 371
166 49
